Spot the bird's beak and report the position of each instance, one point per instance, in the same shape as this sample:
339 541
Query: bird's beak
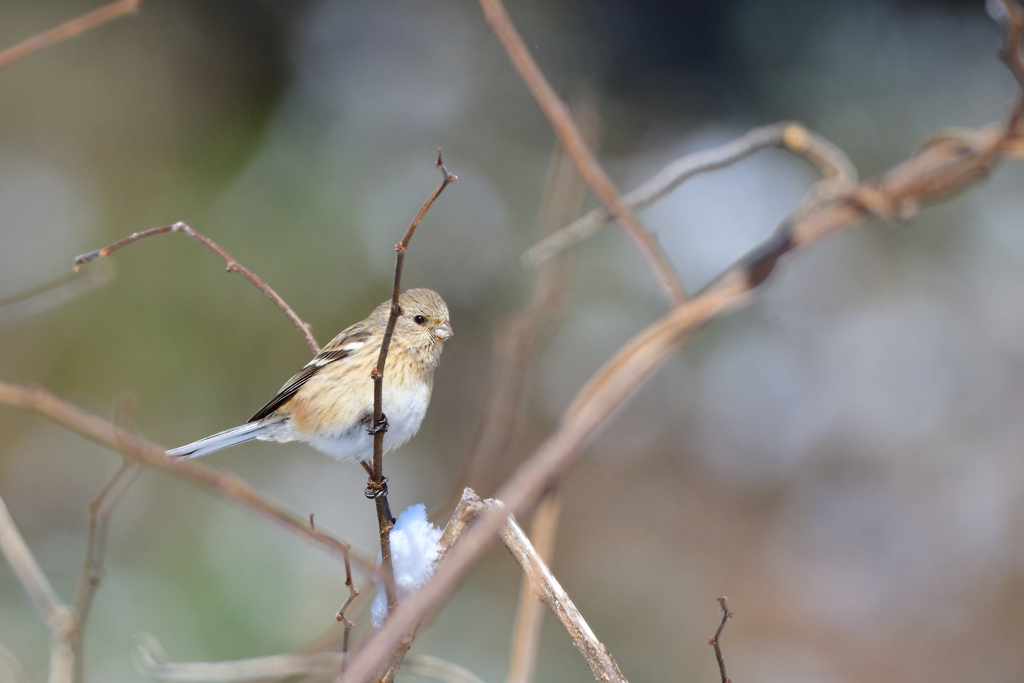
444 330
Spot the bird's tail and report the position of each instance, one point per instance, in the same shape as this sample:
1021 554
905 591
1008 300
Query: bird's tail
225 439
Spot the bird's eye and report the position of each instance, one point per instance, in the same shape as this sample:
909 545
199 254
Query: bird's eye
419 319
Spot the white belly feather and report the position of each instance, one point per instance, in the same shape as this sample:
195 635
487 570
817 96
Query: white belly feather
404 409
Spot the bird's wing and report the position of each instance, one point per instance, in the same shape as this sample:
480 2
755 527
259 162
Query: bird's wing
342 346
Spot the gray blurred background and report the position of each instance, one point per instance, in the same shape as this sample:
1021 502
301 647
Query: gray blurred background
842 459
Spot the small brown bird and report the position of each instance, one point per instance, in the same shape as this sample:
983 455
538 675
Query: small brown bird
329 403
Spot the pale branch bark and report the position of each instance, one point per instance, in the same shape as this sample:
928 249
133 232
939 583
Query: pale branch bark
58 617
529 618
600 661
940 168
715 641
11 670
829 160
67 30
376 488
220 483
575 145
233 266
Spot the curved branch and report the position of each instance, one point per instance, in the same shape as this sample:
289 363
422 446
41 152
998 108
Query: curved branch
68 29
233 267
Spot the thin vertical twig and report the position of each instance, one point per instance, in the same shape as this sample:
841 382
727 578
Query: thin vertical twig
715 641
572 141
92 573
68 29
377 487
352 592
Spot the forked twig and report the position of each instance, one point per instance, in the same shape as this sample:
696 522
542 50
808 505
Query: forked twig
233 266
352 592
92 573
68 29
573 143
376 488
715 640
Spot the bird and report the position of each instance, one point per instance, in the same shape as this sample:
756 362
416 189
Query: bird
329 402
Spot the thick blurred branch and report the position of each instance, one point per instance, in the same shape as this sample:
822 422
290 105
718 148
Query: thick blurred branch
233 266
943 166
69 29
575 146
220 483
830 161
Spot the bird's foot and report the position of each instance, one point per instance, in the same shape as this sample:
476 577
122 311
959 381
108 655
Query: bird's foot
381 427
375 490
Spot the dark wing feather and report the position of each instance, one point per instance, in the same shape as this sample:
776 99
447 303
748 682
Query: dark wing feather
322 359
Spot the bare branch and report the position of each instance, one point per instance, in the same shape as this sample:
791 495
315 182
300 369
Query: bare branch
715 640
573 143
233 267
376 488
529 615
830 161
598 658
220 483
352 592
68 29
53 294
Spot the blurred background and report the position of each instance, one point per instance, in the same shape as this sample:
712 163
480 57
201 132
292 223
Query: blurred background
842 458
